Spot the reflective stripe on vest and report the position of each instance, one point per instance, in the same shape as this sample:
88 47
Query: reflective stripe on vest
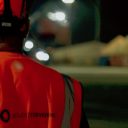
69 102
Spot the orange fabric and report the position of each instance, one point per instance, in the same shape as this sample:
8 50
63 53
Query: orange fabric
33 94
30 92
1 6
16 6
76 116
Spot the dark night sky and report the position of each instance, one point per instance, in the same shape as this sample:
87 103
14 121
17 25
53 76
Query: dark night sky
114 18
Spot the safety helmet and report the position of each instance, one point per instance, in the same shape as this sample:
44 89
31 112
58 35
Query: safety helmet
14 17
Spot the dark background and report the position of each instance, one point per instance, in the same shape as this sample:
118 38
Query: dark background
113 20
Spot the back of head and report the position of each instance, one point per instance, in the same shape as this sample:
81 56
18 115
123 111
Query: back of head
13 17
14 23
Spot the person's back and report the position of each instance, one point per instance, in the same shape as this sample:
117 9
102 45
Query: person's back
32 95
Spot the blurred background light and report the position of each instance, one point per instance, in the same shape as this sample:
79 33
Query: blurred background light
42 56
28 45
51 16
57 16
68 1
60 16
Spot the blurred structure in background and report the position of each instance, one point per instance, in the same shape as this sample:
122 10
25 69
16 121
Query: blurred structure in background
116 51
61 23
84 54
78 32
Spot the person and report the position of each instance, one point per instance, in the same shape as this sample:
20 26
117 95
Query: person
32 95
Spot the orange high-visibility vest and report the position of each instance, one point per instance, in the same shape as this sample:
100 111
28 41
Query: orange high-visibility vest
35 96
